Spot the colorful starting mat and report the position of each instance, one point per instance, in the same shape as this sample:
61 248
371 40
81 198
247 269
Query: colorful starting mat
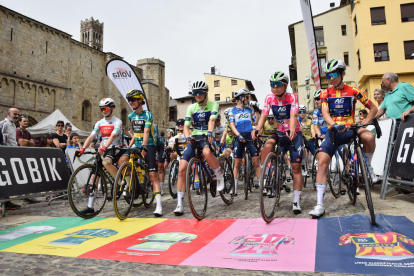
341 245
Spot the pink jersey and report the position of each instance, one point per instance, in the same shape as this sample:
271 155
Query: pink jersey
265 245
282 109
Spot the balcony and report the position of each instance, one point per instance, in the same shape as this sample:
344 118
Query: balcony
293 73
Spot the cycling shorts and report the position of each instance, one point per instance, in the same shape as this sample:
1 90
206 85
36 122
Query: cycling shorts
167 153
311 146
285 144
341 138
239 146
152 158
160 150
189 151
114 154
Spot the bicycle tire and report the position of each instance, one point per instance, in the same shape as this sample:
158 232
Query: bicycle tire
367 182
246 173
305 177
227 194
314 169
148 190
124 191
172 178
252 173
269 200
197 197
78 189
334 181
348 177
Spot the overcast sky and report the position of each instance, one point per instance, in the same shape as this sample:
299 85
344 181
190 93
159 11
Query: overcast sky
242 38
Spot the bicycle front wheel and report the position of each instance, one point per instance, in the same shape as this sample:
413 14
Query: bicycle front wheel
227 194
172 178
367 183
148 195
197 193
124 191
334 175
87 190
270 187
349 175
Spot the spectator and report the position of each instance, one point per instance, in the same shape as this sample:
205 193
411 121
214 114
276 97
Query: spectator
59 138
23 137
377 56
162 134
362 115
47 141
379 96
8 130
68 129
74 141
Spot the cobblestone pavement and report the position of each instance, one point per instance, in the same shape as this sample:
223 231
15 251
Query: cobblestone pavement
22 264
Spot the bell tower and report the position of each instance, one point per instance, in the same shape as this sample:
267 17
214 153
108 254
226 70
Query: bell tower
91 33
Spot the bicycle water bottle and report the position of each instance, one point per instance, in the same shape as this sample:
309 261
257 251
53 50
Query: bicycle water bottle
254 103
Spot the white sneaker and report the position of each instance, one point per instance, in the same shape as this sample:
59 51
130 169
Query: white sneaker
264 191
357 191
179 211
317 212
296 208
158 211
373 175
220 182
304 171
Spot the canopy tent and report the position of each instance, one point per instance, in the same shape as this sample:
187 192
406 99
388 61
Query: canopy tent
48 125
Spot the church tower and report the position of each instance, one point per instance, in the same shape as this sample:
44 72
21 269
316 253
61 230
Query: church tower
91 33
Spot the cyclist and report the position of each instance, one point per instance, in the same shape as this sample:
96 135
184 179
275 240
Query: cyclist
203 115
143 128
168 150
161 157
241 123
227 137
285 108
220 128
320 126
180 136
110 128
306 126
338 107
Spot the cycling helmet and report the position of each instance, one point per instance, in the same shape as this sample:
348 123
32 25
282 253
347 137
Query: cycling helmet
107 102
270 117
334 65
226 112
317 93
302 107
180 121
241 92
199 85
135 93
279 76
170 131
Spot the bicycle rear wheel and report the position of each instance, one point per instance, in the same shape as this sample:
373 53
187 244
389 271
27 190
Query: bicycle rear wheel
270 187
148 193
334 175
305 177
197 196
349 175
124 189
81 188
172 178
227 194
246 176
366 177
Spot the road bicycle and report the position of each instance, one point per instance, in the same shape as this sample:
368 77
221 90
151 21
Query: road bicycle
247 171
198 169
173 173
132 189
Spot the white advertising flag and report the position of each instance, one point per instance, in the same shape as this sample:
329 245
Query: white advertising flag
124 78
310 36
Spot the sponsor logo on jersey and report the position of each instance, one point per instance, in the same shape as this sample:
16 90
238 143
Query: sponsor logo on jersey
244 115
359 96
339 106
339 101
282 109
201 115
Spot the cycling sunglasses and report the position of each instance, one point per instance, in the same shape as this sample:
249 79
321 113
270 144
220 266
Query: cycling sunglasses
317 99
198 92
302 111
180 124
104 109
333 75
276 84
132 100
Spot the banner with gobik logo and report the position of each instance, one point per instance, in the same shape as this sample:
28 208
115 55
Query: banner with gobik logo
26 170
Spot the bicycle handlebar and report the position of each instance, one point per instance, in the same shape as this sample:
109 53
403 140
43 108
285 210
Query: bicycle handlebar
355 127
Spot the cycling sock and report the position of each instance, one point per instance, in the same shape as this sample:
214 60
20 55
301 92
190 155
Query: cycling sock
180 198
99 187
320 193
296 195
303 163
158 197
236 183
162 185
197 184
91 201
369 157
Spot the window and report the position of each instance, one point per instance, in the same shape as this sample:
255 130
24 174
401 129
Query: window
346 58
409 49
217 97
356 26
378 16
228 99
343 28
233 82
322 61
381 52
86 111
182 101
319 36
217 83
359 60
407 12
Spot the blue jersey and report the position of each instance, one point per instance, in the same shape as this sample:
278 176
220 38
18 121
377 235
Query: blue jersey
319 121
242 118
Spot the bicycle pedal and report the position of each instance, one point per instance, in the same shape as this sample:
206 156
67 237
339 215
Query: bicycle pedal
343 192
287 189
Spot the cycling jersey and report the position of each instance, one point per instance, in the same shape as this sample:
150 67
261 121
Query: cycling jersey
157 137
170 141
229 140
106 127
306 128
219 131
200 116
282 109
380 246
228 128
341 103
181 139
162 241
139 123
242 118
319 121
269 128
265 245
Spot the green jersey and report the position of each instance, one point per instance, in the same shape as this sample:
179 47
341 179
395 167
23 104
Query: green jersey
200 116
229 140
139 123
157 136
162 241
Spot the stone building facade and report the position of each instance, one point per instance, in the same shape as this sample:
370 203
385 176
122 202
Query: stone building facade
43 69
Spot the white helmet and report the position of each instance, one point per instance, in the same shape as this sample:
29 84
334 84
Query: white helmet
334 65
226 112
170 131
199 85
302 107
107 102
241 92
279 76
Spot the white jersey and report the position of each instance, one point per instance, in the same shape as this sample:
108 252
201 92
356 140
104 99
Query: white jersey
219 131
17 233
106 128
181 137
170 141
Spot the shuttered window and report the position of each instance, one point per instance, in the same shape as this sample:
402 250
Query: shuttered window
319 36
407 12
409 49
378 16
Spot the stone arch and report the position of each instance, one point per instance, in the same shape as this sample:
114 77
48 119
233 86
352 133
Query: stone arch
7 91
86 110
32 121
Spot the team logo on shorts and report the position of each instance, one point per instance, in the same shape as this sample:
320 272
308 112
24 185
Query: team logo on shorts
298 159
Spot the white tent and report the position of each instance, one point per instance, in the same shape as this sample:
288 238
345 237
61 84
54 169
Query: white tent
48 125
